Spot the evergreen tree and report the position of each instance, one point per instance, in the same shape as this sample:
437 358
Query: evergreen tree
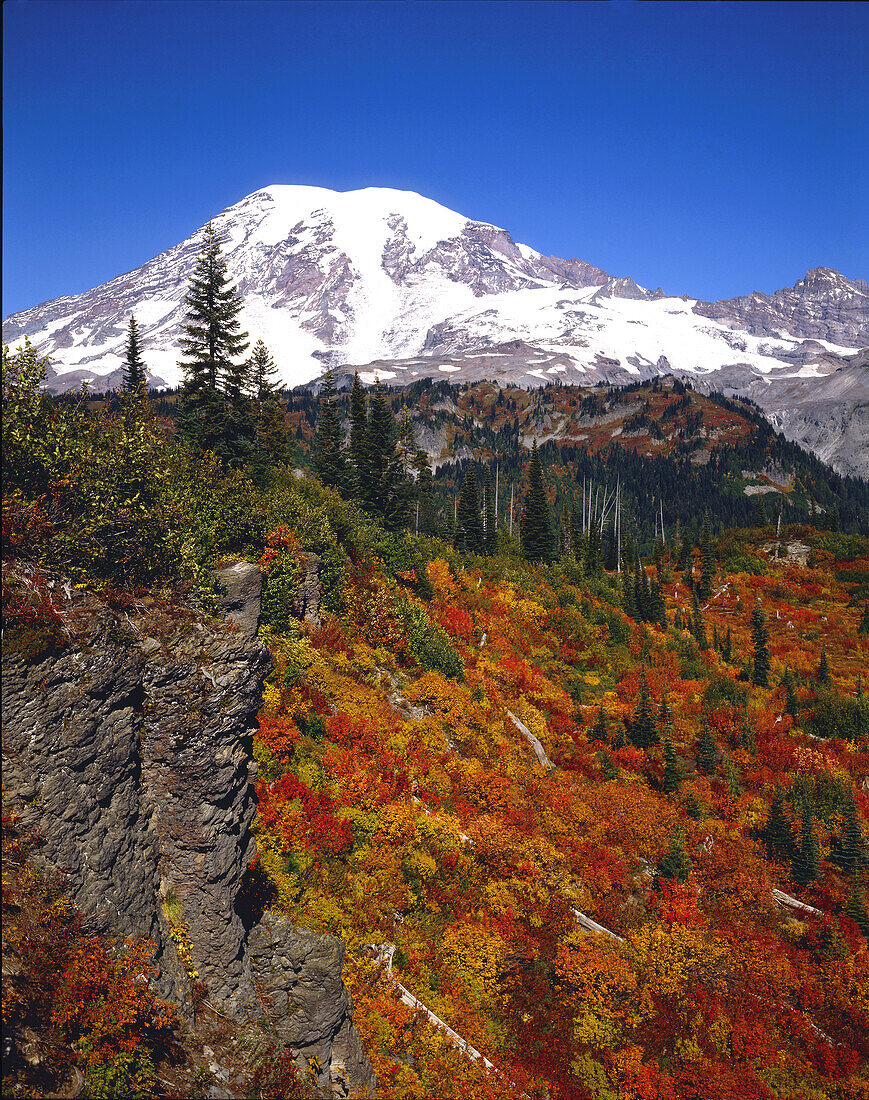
776 834
698 625
327 452
672 771
271 429
706 751
676 863
489 513
538 538
600 730
849 850
727 647
391 489
469 522
426 512
806 861
707 562
134 369
212 340
863 628
760 637
856 907
791 705
643 731
608 765
262 373
359 449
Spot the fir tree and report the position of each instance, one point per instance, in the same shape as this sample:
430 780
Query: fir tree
706 751
672 772
856 907
849 850
359 450
760 637
538 538
734 784
776 834
327 452
608 766
212 338
391 490
707 562
134 369
469 522
600 730
211 343
863 628
262 373
676 863
643 731
791 705
698 625
727 647
806 861
427 514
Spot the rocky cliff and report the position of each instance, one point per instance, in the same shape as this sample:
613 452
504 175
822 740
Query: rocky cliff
129 749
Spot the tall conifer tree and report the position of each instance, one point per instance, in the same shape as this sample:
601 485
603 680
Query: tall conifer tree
469 522
329 457
134 369
760 638
539 543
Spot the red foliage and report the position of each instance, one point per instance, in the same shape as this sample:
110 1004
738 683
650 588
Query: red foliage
313 825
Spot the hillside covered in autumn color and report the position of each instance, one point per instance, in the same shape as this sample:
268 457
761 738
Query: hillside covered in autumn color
581 786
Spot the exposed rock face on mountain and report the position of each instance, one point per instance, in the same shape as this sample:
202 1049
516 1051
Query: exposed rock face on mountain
129 749
830 418
299 975
396 285
823 306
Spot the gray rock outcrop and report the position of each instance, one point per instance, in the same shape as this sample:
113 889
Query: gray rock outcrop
129 749
298 974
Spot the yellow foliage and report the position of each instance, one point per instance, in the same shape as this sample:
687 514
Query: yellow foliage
476 957
672 957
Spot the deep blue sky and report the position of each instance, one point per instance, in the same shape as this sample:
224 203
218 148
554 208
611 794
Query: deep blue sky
713 149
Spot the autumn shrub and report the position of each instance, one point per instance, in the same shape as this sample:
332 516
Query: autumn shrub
279 565
430 643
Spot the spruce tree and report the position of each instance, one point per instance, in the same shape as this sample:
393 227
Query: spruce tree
134 369
760 637
706 751
262 374
538 537
856 907
698 625
707 562
676 863
391 489
806 861
426 511
643 730
359 450
791 705
776 834
212 340
734 783
850 851
863 628
327 452
469 523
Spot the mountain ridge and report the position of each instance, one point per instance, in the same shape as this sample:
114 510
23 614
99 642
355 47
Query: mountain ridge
393 283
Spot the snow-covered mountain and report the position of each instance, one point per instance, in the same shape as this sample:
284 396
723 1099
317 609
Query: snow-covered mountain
395 284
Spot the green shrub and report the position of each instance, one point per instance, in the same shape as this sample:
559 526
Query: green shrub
430 644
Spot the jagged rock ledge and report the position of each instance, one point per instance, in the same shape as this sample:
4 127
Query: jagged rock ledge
129 748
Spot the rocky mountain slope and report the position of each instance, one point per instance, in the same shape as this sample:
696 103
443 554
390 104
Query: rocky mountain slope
395 284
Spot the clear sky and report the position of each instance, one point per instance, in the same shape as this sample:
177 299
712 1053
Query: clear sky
710 148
